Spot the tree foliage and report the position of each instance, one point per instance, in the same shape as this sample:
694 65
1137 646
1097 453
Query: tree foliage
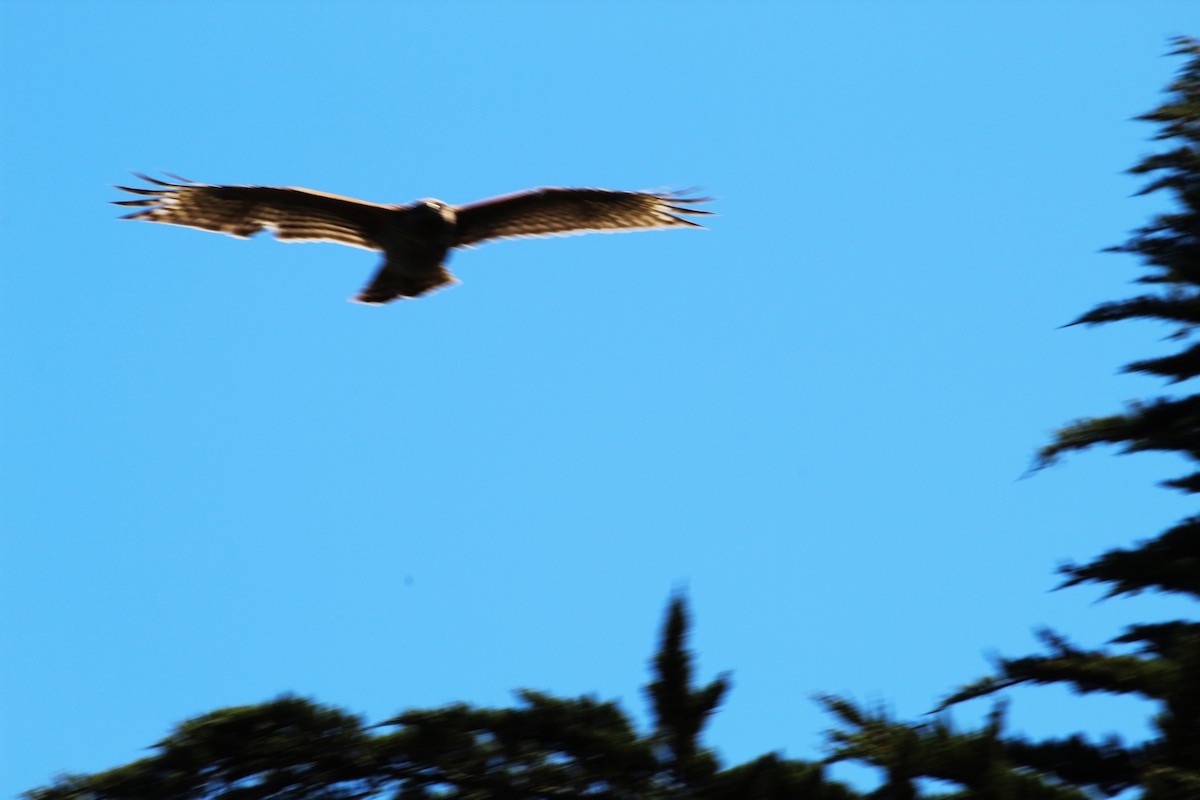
543 748
1159 663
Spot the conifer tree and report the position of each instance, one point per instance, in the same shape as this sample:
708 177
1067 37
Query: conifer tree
680 711
544 748
1164 665
1157 662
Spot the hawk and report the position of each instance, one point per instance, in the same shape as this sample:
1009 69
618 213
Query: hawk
414 239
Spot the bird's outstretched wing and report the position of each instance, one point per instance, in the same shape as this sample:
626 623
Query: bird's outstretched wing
292 214
546 212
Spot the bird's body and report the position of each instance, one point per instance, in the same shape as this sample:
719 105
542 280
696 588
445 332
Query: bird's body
415 239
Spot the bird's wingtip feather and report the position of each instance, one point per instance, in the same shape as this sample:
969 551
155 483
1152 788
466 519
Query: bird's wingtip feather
175 177
132 190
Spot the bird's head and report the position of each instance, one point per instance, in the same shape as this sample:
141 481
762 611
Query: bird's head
429 208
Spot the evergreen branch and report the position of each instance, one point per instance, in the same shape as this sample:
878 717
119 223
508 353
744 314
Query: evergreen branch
977 760
1176 368
1170 563
1109 766
1164 424
1185 309
1086 671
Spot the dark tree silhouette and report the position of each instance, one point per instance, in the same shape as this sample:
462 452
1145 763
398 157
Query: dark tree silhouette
1156 662
543 748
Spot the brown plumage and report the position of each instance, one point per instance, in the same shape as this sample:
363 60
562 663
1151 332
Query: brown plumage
415 239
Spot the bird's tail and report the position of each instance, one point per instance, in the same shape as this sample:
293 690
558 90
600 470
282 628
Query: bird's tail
397 279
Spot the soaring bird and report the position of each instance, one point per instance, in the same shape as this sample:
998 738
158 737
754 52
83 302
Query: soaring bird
414 239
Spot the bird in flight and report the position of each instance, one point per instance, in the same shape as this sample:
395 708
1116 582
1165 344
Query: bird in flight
414 239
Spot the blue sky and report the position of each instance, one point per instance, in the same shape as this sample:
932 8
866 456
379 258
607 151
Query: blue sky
223 482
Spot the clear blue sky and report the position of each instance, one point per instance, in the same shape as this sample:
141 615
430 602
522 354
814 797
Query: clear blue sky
222 482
